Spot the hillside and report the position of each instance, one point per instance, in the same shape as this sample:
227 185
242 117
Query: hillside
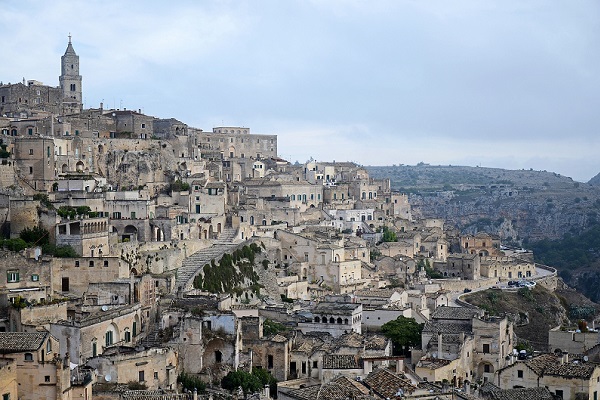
547 212
513 204
536 311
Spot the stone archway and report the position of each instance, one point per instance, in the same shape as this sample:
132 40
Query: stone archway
130 234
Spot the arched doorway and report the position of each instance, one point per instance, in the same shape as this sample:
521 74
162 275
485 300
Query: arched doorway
129 234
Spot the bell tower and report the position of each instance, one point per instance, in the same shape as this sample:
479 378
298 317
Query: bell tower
70 81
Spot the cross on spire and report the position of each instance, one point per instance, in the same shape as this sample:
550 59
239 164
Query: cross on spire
69 37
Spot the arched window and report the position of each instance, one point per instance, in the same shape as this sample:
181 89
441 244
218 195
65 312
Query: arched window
317 319
339 320
331 320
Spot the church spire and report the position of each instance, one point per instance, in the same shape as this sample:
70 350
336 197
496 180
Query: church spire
70 49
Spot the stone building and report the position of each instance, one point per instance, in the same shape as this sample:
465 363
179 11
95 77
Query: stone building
506 267
568 380
466 266
459 343
237 142
34 96
91 335
155 368
481 243
333 318
40 372
34 162
88 236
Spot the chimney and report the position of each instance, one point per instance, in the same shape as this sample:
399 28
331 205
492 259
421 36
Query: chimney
440 345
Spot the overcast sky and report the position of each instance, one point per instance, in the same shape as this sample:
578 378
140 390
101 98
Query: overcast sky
509 84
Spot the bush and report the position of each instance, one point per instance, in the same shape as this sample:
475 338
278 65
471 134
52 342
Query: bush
272 327
191 382
134 385
14 244
250 383
35 235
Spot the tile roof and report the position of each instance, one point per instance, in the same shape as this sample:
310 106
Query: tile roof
538 393
445 312
447 327
341 361
16 342
571 370
387 383
432 363
325 307
540 363
376 342
379 293
340 388
351 339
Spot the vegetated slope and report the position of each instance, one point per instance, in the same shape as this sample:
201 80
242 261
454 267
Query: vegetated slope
536 311
514 204
576 257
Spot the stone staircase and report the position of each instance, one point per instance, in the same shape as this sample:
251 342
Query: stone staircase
227 236
195 262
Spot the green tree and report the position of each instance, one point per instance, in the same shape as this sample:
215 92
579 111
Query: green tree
265 378
248 382
404 333
389 235
272 327
191 382
35 235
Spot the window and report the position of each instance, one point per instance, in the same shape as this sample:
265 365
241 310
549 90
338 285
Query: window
269 361
141 376
73 87
108 338
47 378
12 276
35 277
486 348
5 396
519 373
91 263
116 215
105 264
486 368
218 356
49 346
143 126
559 394
28 357
30 131
94 349
77 263
155 374
127 336
30 152
315 364
30 170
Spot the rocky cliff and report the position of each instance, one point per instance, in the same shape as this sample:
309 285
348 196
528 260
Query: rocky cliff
515 204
